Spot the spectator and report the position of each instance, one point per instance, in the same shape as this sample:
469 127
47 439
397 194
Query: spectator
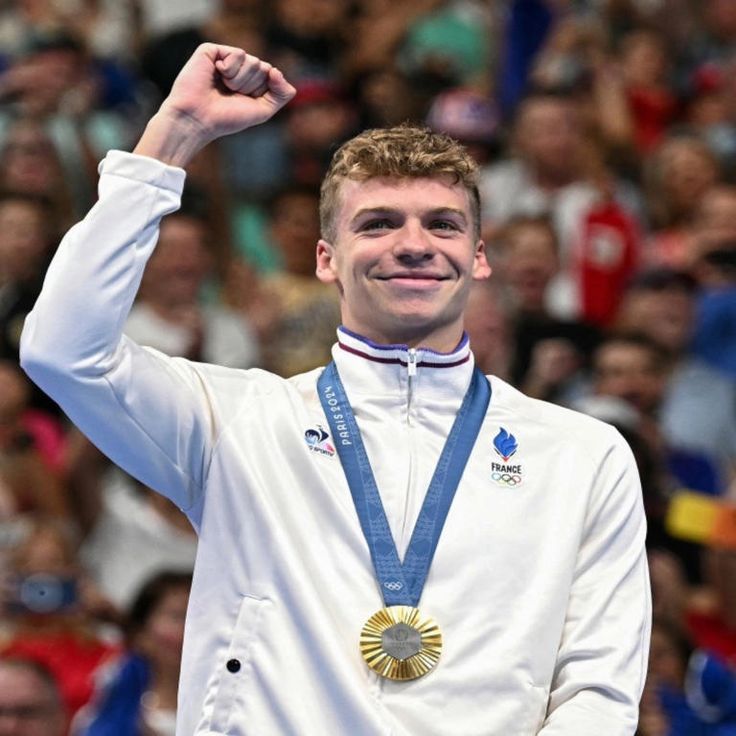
30 702
715 323
56 84
652 103
46 613
679 173
30 165
487 321
138 697
550 353
661 304
598 237
31 450
301 329
664 698
169 315
635 369
26 237
133 533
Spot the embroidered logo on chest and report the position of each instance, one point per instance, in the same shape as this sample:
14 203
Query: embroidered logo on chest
317 441
506 473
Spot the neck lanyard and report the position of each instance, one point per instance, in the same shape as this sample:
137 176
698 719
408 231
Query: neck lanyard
402 583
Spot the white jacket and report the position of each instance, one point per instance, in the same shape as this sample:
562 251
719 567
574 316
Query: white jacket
539 582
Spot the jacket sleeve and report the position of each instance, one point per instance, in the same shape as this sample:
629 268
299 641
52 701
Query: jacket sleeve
147 412
602 658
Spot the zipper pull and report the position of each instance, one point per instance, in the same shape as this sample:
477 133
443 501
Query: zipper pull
411 364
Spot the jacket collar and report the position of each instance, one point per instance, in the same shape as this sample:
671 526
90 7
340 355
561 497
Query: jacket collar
366 367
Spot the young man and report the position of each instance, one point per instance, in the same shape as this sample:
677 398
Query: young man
314 612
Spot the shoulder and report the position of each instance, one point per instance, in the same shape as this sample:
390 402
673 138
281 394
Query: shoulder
552 424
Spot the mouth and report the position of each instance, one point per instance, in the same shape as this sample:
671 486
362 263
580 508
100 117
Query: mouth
414 280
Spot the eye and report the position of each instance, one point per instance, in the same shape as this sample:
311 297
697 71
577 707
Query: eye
378 224
447 225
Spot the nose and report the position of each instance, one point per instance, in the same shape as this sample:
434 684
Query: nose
413 244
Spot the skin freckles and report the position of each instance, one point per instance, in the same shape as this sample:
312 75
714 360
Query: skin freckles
403 259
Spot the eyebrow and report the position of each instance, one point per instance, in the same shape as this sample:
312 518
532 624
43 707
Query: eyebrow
436 212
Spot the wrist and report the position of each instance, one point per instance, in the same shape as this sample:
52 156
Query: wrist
172 137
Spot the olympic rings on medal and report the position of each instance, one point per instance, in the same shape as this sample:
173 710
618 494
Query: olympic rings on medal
506 478
393 585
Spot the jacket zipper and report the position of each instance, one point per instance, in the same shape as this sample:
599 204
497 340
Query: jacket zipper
411 370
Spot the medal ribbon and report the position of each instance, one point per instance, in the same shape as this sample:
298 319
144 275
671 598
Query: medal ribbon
402 584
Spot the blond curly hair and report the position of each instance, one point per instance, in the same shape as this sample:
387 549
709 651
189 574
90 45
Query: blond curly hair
401 152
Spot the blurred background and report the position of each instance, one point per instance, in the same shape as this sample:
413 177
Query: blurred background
606 134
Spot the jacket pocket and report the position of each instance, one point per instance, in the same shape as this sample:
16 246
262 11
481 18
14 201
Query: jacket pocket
237 664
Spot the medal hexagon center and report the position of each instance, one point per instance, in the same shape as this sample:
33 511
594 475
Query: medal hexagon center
401 641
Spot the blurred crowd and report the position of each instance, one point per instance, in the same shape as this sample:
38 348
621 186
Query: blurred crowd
606 135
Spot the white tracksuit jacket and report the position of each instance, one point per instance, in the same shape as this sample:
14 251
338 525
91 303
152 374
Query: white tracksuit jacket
539 581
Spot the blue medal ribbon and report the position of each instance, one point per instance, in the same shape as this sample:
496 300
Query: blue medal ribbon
402 584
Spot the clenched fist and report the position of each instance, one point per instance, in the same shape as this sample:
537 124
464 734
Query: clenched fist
220 90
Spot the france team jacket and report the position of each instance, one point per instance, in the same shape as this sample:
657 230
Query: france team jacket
539 581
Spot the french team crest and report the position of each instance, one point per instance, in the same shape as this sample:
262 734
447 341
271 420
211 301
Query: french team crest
317 441
507 474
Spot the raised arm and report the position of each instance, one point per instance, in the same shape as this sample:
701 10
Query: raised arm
150 414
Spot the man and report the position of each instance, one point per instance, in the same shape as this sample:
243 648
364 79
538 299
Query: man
661 304
30 704
535 613
556 172
168 314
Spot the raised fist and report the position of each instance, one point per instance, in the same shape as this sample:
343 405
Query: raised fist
219 91
226 90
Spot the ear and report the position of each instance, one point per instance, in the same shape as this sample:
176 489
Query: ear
326 267
481 267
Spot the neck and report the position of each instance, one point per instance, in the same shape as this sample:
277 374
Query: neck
446 342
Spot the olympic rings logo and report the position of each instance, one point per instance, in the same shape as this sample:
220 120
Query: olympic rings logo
393 585
506 479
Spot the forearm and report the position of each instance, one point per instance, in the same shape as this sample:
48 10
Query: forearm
78 319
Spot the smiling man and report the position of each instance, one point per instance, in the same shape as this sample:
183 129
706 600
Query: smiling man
394 544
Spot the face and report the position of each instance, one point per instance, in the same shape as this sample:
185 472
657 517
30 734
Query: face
665 316
716 219
644 61
549 136
486 323
530 262
22 239
403 259
162 637
687 173
27 708
628 372
295 228
29 161
179 264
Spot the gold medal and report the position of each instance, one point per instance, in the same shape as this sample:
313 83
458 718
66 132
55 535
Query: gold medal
400 644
